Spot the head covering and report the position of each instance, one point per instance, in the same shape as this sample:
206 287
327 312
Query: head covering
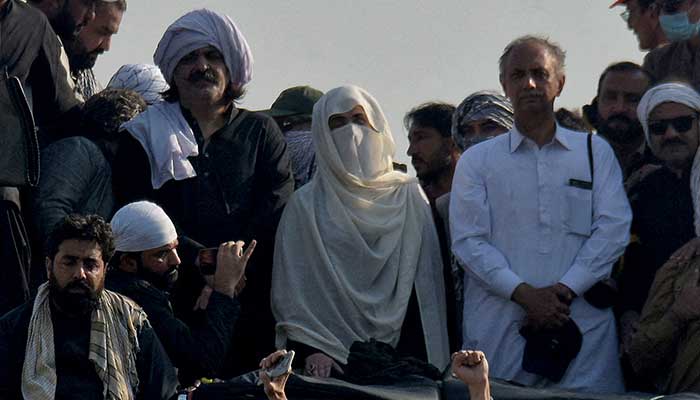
202 28
682 94
142 226
298 100
114 329
617 3
144 79
353 247
481 105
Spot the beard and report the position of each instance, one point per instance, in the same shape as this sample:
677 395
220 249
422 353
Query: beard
76 298
621 130
165 281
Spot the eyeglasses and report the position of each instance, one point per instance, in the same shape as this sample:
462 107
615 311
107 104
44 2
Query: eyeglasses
625 15
680 124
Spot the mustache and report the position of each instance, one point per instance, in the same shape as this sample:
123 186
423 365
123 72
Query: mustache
672 142
82 285
206 75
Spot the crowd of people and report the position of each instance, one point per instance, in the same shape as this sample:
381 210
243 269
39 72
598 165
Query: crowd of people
174 238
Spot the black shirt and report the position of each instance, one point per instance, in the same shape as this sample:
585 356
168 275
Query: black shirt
198 350
662 222
76 376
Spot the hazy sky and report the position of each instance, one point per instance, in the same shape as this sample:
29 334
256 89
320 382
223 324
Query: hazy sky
404 52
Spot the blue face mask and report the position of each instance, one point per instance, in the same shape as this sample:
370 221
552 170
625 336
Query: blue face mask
677 26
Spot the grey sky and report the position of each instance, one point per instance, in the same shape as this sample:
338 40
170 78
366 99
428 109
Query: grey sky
404 52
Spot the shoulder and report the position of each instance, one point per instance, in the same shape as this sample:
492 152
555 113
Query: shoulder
72 146
484 152
18 318
660 53
134 289
256 123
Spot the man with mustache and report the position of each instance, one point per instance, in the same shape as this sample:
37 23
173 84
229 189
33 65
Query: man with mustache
662 205
76 340
613 112
93 41
146 267
537 223
220 172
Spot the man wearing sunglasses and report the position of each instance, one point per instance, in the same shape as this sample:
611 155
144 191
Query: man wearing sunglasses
642 18
662 205
665 348
680 59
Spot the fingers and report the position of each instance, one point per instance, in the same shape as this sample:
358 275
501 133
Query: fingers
249 250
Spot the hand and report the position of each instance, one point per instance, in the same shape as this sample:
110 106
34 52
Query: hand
231 262
686 307
564 294
320 365
629 324
544 307
472 368
274 388
203 299
687 252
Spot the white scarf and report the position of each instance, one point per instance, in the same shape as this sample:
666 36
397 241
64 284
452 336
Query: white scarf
167 139
350 249
682 94
142 226
113 347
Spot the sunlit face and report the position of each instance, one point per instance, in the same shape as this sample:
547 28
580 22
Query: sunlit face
430 152
673 133
531 78
162 259
76 275
202 77
72 17
644 23
96 38
356 116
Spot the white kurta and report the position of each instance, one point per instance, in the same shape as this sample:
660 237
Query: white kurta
514 218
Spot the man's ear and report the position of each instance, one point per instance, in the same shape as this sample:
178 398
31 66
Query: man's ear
47 262
562 81
127 263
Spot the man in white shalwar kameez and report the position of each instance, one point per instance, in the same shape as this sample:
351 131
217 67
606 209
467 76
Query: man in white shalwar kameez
536 229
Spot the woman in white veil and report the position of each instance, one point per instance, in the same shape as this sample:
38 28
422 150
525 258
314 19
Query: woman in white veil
356 244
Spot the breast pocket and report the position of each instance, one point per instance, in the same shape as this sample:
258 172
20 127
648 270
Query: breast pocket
578 211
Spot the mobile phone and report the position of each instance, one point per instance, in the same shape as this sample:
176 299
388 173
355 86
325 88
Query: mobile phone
282 366
207 260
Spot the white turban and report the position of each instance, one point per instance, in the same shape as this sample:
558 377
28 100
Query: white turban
144 79
142 226
202 28
682 94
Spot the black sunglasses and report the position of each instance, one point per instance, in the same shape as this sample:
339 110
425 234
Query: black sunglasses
680 124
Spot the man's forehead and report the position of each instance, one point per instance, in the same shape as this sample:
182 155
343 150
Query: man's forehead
80 248
204 49
632 80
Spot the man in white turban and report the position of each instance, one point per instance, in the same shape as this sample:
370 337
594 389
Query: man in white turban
144 268
664 349
220 172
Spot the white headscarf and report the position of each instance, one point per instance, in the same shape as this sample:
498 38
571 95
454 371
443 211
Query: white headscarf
202 28
681 94
349 248
142 226
144 79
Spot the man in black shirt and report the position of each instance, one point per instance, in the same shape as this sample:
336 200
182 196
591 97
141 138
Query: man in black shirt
145 268
76 340
221 173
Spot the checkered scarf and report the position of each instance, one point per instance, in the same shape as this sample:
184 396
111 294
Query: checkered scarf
113 347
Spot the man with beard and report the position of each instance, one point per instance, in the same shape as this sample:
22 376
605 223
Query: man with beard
92 41
67 17
221 173
538 225
431 148
145 268
613 113
662 204
76 340
434 156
